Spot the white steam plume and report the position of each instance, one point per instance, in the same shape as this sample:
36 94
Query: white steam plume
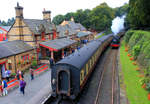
118 24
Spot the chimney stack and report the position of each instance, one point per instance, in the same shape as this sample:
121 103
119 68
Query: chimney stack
19 11
19 18
47 15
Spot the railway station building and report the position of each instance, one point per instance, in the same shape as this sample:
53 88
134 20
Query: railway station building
15 55
32 31
74 31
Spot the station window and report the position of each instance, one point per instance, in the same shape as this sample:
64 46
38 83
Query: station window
25 57
10 66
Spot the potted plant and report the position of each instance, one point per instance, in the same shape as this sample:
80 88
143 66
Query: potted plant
19 63
34 64
13 75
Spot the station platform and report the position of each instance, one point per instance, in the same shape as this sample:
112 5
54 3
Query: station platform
36 91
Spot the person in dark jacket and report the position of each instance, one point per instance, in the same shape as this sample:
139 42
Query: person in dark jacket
32 73
51 61
22 86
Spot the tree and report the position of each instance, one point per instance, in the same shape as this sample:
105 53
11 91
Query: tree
120 11
138 15
8 23
58 19
4 23
101 17
68 16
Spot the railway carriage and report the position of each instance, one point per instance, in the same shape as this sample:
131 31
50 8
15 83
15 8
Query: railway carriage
71 73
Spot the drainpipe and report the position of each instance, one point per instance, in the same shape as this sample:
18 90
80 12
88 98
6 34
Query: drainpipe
15 63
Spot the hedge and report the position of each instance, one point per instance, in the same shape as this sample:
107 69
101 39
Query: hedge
138 42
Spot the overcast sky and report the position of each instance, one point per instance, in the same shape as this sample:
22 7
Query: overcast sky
33 8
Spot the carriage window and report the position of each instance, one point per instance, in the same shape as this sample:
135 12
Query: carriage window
91 63
81 76
85 71
87 68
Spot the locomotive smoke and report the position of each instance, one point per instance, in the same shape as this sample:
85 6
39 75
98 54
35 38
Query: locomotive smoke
118 24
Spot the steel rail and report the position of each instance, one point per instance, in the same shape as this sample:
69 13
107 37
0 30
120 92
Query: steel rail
100 83
101 79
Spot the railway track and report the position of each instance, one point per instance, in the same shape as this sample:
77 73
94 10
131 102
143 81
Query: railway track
108 84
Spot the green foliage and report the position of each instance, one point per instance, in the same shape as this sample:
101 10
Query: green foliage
34 63
58 19
138 16
9 22
128 36
138 42
120 11
136 51
101 17
107 32
13 74
68 16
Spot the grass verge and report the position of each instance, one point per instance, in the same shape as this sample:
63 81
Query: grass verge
134 91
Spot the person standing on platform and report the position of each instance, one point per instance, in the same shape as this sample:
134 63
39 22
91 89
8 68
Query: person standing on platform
4 87
32 73
19 75
22 86
7 73
1 89
51 60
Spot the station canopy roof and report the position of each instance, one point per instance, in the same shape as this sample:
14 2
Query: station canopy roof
82 34
57 44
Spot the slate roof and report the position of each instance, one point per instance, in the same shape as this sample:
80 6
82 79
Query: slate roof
76 26
58 43
9 48
82 34
62 30
6 27
72 28
34 25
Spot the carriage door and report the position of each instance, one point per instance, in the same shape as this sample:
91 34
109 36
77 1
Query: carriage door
64 82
